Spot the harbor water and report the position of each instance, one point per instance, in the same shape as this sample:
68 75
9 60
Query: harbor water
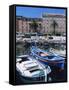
56 74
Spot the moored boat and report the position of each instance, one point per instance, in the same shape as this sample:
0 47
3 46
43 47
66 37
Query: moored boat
31 69
48 58
61 52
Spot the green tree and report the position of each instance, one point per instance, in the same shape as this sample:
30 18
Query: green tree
34 26
54 25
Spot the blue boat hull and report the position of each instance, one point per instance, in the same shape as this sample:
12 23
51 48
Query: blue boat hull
53 59
52 63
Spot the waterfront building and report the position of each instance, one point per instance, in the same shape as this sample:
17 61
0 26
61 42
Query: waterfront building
45 24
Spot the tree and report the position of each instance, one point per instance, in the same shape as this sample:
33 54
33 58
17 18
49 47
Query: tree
34 26
54 25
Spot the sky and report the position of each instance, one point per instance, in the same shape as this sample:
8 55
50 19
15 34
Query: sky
35 12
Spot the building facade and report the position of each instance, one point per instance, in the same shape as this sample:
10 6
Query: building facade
24 24
45 24
50 19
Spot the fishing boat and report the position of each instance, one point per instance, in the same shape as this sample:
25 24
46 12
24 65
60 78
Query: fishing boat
56 39
61 52
48 58
32 70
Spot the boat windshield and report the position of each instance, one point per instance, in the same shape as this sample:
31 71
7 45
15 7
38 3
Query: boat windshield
35 70
50 37
32 68
23 59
